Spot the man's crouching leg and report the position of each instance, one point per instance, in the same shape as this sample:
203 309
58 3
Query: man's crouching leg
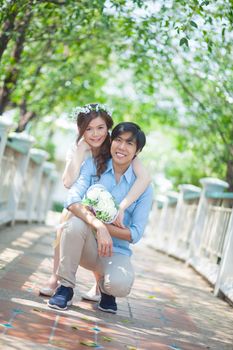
117 281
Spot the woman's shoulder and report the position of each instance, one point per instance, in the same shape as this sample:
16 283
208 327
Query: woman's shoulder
89 160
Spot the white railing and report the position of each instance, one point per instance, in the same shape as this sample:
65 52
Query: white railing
183 222
29 199
198 229
24 177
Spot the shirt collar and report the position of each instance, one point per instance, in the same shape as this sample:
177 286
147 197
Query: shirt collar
128 174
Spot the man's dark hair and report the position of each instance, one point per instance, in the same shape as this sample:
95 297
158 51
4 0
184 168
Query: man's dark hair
137 134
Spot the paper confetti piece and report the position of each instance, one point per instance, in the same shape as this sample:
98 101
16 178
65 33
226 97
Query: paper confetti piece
6 325
37 310
96 329
85 318
58 343
89 343
126 321
73 326
174 347
129 347
18 311
151 297
109 339
29 289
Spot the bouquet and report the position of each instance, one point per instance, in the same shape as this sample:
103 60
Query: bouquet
101 203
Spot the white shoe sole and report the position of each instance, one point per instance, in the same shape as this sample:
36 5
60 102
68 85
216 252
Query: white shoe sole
111 311
90 297
69 303
47 292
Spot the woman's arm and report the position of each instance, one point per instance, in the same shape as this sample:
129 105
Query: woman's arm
142 181
139 186
74 162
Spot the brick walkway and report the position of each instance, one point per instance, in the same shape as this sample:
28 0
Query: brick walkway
170 306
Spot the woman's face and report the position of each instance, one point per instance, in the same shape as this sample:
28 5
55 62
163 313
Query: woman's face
96 132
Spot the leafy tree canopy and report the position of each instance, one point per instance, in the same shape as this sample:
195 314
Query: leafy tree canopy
166 65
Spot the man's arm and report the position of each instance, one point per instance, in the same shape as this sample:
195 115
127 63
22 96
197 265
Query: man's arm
104 240
139 219
140 215
119 232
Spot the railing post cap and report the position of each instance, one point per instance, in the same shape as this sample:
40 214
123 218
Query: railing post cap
5 125
22 136
160 200
172 196
188 188
48 167
213 184
21 142
38 155
54 175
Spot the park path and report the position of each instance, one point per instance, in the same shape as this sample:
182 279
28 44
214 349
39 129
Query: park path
170 306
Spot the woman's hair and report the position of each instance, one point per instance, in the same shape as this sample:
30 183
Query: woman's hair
84 116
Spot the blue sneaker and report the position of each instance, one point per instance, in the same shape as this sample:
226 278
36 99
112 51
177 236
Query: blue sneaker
62 298
107 303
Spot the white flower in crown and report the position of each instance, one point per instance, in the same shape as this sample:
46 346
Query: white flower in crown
101 203
98 107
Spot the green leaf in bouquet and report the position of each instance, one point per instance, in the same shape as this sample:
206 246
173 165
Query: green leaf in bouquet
89 202
103 216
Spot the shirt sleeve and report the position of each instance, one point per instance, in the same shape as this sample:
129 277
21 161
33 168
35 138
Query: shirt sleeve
80 186
140 215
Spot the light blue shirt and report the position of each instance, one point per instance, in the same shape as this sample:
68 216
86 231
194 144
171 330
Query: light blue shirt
136 215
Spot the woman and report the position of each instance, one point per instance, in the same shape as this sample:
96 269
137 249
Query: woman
94 122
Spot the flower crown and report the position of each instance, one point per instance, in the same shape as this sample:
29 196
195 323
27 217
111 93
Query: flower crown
90 108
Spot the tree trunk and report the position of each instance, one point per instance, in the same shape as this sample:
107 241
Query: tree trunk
24 120
229 174
25 116
7 28
12 74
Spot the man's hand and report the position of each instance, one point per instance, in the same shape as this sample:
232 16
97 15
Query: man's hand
104 241
119 220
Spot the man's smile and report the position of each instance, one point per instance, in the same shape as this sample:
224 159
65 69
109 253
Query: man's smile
120 154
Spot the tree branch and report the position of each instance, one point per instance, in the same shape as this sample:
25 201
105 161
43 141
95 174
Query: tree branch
55 2
190 94
12 74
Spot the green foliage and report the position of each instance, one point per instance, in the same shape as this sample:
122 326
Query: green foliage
164 64
58 207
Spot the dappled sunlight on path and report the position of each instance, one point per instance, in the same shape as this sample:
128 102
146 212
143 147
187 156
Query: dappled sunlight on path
170 306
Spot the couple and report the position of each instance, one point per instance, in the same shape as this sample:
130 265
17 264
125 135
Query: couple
85 240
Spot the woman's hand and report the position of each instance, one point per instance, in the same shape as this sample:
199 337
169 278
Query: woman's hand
119 220
104 241
83 145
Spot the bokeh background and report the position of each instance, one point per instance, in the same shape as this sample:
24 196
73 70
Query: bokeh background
164 64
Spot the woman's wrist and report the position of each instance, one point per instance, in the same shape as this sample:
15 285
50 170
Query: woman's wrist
122 205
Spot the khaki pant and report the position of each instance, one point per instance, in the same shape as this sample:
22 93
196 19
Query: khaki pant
79 247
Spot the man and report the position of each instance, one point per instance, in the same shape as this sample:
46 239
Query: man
104 249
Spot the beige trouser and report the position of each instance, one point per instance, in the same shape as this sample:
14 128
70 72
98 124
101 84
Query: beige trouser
79 247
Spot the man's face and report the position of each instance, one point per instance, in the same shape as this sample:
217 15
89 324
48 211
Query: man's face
123 149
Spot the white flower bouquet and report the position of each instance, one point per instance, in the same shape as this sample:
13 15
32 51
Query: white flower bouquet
101 203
